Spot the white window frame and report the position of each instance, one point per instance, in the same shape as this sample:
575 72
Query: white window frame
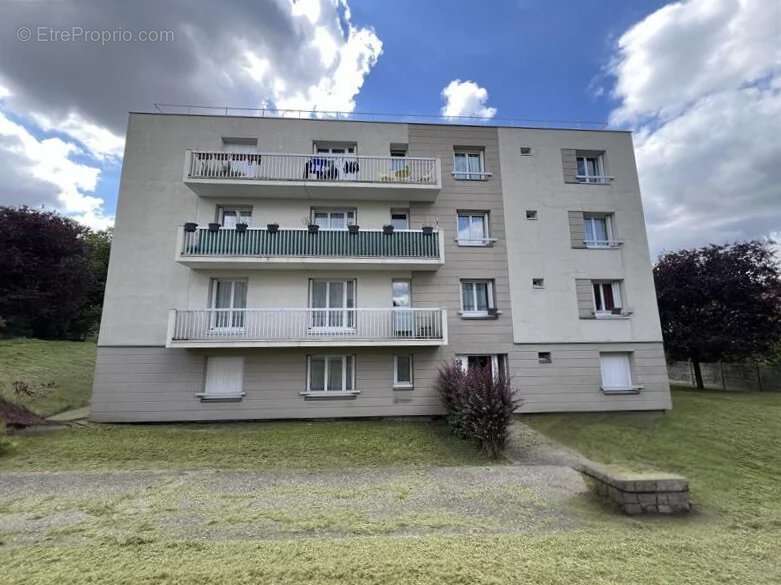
400 211
331 210
608 219
467 175
617 298
630 387
403 384
349 316
587 177
237 209
327 358
489 292
486 240
237 393
462 360
214 322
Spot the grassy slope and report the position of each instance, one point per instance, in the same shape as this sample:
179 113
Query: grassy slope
271 445
727 444
723 442
69 364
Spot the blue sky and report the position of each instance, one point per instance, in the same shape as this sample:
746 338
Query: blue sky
537 60
697 81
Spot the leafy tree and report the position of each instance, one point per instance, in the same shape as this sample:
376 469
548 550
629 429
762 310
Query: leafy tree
719 302
52 274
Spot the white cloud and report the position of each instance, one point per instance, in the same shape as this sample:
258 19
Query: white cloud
45 175
302 54
466 98
700 83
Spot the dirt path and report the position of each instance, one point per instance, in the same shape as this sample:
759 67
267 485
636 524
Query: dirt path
147 505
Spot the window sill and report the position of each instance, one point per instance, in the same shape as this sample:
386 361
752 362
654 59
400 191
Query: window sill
628 390
610 245
611 317
478 316
403 387
472 176
221 398
330 394
485 243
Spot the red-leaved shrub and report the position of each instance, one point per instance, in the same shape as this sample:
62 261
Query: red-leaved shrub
479 405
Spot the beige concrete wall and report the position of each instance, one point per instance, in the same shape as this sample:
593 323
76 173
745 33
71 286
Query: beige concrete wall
143 279
158 384
138 379
543 248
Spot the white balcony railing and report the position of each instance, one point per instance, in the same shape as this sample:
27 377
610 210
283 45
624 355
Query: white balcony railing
286 325
326 168
594 179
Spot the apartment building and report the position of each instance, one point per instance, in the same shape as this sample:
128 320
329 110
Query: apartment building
267 268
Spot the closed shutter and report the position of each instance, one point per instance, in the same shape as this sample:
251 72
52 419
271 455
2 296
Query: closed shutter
585 298
577 232
569 165
616 371
224 376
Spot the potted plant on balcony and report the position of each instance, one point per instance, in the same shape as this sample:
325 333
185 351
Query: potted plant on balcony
241 228
428 230
214 227
387 230
272 228
190 226
353 228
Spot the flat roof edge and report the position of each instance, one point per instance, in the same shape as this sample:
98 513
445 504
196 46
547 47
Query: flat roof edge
398 122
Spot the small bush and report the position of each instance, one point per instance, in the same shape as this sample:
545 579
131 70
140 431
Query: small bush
451 385
479 405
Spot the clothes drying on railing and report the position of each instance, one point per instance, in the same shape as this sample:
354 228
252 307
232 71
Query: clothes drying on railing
321 169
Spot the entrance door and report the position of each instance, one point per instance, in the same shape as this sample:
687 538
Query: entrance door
403 319
330 300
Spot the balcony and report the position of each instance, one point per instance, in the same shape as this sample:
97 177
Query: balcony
298 248
286 327
304 176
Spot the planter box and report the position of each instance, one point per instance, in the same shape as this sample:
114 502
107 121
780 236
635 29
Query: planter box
387 230
272 228
353 229
214 227
190 227
313 228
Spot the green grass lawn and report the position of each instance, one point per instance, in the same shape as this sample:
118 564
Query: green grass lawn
68 364
258 446
727 443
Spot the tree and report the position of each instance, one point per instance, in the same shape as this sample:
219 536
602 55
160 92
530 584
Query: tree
719 302
52 273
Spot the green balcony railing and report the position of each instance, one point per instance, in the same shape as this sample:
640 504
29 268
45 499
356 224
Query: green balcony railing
302 243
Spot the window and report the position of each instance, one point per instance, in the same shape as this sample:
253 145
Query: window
477 297
526 150
332 303
496 362
531 214
598 229
590 168
333 219
402 371
229 216
246 145
224 377
538 283
616 372
468 165
330 373
398 161
473 228
228 302
544 357
400 219
607 297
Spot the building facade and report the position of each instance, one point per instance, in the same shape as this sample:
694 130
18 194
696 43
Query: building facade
267 268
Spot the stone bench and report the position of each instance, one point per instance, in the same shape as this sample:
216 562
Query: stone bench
639 493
